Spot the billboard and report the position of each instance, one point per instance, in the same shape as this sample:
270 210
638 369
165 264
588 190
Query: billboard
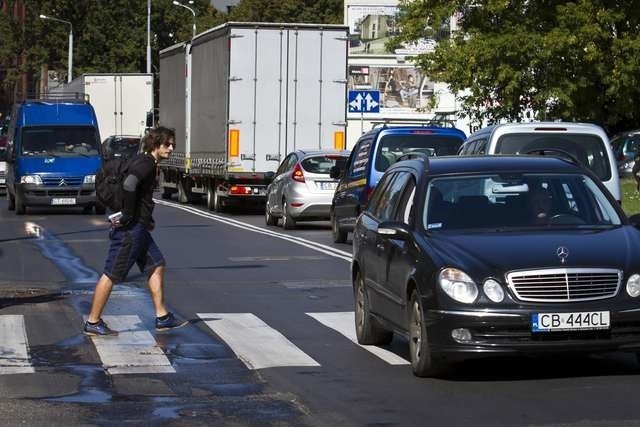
370 26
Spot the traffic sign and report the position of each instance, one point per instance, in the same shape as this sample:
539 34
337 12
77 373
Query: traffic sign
364 101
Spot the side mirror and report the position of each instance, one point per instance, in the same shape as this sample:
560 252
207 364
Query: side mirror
335 172
394 230
635 220
149 122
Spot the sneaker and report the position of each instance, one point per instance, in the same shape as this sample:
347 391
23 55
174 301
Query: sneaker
99 328
170 322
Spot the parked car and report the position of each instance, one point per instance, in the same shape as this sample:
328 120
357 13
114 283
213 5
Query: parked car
374 152
586 142
541 260
302 189
625 149
125 146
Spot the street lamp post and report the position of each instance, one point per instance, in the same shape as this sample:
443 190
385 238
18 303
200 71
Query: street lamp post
148 36
177 3
70 60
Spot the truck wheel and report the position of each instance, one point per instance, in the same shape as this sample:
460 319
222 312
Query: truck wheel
11 202
268 216
288 223
19 205
339 235
423 362
368 330
183 196
213 200
99 208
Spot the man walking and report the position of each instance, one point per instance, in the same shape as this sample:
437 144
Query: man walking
131 241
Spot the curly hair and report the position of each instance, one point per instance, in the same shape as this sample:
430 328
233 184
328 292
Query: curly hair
156 137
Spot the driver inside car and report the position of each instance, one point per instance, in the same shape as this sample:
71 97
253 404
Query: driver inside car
540 204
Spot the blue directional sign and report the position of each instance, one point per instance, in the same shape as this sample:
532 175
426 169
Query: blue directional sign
364 101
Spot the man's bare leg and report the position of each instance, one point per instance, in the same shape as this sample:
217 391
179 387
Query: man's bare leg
100 298
155 287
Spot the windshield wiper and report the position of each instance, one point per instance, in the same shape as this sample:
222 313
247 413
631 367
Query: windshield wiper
50 153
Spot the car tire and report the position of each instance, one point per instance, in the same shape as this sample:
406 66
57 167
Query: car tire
20 208
99 208
11 202
368 329
269 218
339 235
288 223
211 197
423 362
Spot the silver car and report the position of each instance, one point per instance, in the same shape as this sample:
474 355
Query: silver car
302 189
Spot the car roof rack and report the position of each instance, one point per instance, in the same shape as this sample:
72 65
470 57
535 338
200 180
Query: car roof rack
385 123
59 97
556 152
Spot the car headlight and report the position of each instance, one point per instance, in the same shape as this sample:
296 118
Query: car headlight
90 179
458 285
633 285
493 290
31 179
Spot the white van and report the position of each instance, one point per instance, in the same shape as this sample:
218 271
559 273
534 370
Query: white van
588 143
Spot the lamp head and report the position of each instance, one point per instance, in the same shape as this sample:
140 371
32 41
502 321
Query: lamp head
44 17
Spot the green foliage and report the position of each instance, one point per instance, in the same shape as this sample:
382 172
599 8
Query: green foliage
299 11
570 60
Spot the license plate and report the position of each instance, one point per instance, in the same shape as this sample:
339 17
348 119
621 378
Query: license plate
63 201
328 185
587 320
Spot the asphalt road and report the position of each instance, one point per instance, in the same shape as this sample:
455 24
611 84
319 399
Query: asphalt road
270 314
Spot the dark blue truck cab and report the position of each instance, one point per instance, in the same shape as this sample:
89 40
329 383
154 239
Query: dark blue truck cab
53 154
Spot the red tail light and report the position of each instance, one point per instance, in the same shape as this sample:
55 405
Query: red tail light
297 174
240 190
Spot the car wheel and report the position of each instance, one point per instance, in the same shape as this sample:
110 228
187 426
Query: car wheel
11 202
99 208
21 209
339 235
269 219
368 330
423 362
288 223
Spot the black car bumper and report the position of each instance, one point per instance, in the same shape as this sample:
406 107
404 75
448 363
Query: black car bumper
510 332
39 195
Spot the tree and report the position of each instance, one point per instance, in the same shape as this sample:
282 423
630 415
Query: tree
298 11
570 60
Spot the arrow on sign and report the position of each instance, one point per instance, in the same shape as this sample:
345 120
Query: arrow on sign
370 102
356 104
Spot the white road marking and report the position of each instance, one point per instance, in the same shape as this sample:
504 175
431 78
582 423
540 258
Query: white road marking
325 249
133 351
14 347
344 323
254 342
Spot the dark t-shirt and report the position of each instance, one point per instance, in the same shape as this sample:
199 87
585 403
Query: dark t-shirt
143 167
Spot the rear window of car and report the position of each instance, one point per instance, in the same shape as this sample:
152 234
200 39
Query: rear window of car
587 149
324 163
391 147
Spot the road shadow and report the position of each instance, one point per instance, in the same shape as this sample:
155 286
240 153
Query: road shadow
20 299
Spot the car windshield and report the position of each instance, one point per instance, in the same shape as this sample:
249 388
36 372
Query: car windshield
60 141
517 201
391 147
122 147
587 149
323 163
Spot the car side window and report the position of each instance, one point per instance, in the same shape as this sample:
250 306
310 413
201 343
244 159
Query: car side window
360 160
480 147
405 211
389 201
468 148
374 206
283 166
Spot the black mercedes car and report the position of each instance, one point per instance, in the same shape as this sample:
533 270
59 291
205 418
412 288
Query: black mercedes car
473 256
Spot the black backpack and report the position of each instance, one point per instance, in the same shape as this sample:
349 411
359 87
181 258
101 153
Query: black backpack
109 179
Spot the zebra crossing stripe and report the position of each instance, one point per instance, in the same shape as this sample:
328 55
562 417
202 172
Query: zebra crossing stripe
133 351
14 348
254 342
344 323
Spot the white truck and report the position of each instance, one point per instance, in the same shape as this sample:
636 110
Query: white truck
121 101
241 96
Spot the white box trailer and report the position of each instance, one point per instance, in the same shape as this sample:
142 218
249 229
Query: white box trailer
121 100
252 93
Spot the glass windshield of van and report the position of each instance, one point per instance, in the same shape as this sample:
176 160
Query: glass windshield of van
587 149
60 141
391 147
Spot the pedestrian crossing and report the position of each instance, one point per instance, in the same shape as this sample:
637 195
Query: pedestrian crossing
136 350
